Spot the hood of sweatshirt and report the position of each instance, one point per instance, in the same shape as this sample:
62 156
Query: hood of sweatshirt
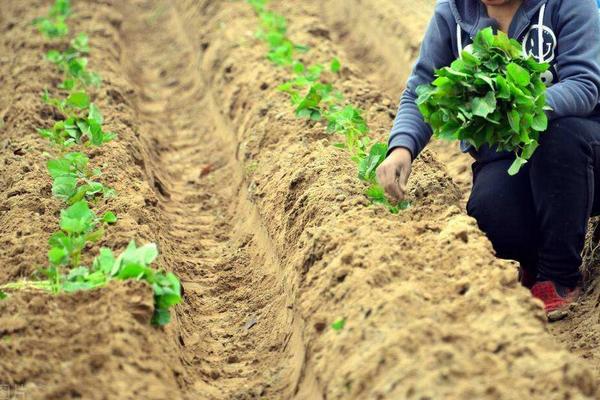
472 16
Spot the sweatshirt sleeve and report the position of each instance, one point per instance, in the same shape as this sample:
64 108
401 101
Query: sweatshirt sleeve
409 129
578 60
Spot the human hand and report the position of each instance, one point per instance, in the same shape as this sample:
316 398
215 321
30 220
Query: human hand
393 173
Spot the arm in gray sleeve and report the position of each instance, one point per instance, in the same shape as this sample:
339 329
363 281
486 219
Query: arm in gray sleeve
578 60
409 129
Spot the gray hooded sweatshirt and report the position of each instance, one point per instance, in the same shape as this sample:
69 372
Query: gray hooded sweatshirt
564 33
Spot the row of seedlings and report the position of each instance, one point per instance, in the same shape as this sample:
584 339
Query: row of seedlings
78 185
313 98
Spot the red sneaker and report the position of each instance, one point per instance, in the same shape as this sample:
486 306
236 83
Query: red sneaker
557 299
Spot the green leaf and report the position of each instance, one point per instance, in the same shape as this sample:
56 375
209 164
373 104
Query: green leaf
529 149
64 187
54 56
148 253
503 88
109 218
368 165
57 255
486 37
59 167
483 106
298 67
516 166
514 118
3 295
81 43
79 273
133 271
540 122
518 74
335 65
104 261
78 100
95 114
425 90
60 240
469 58
486 79
61 8
95 236
492 94
161 317
67 84
338 324
78 218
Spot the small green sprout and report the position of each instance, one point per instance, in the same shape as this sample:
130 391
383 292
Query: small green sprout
76 129
73 180
60 8
54 25
79 226
376 194
52 28
338 324
73 63
335 66
258 5
368 165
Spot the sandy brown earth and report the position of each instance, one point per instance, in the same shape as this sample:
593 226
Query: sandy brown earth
380 50
266 225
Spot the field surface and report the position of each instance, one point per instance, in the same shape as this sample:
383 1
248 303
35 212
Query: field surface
264 222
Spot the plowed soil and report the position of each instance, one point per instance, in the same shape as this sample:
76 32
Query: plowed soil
266 225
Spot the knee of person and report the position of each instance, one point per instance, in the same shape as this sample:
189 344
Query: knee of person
499 222
562 130
481 206
562 136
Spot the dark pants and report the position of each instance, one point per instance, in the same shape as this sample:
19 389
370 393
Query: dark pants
539 217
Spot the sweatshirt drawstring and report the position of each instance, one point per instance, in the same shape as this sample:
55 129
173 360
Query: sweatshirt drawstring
541 33
459 44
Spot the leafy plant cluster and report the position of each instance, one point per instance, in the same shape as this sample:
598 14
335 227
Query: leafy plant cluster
492 95
314 98
73 63
77 184
54 25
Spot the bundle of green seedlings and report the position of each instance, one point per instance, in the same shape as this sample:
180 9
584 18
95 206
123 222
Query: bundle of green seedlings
316 100
491 96
75 183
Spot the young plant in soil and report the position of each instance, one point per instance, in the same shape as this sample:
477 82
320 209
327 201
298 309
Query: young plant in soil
79 227
134 263
54 24
314 99
339 324
73 182
309 96
493 96
274 32
73 63
83 123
